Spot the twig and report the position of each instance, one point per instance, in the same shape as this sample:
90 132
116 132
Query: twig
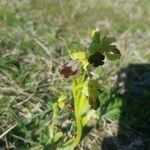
7 131
42 46
22 139
27 99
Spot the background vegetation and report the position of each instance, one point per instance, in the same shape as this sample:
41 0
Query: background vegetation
34 37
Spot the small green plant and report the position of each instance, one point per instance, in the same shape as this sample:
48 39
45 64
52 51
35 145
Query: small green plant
85 89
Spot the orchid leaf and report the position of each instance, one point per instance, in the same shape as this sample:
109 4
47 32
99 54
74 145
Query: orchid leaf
91 114
83 106
90 88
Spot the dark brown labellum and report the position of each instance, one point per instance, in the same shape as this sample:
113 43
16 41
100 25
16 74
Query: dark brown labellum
96 59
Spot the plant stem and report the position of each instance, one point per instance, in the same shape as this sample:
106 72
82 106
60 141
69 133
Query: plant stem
79 133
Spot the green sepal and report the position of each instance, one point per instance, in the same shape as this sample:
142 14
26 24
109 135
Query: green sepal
96 35
108 40
95 43
112 53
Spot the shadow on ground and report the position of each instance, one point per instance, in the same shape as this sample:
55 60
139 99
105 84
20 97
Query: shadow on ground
133 86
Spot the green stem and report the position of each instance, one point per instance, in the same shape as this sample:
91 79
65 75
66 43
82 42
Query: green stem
79 133
76 88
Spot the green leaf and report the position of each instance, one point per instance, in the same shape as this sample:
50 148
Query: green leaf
87 118
51 132
90 88
55 110
83 106
57 136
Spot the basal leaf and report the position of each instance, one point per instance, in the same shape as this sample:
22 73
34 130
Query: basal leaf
83 106
87 118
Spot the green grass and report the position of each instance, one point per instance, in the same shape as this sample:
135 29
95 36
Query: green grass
34 36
